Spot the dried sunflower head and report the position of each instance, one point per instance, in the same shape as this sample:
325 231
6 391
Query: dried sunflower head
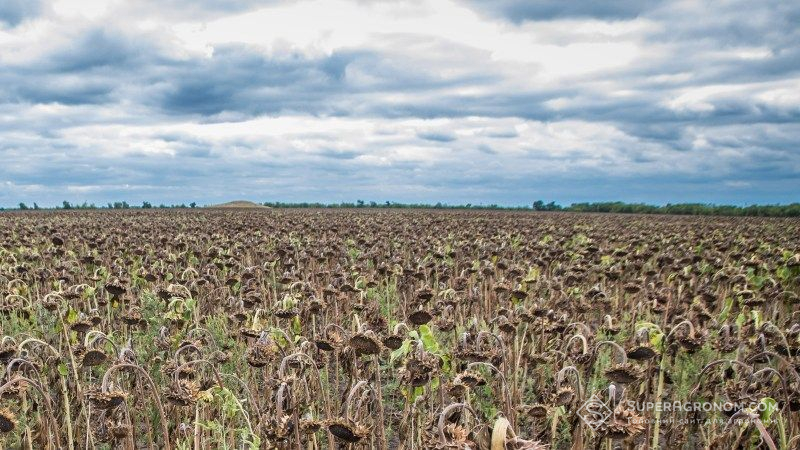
278 429
169 368
8 351
310 426
183 393
393 341
115 287
82 325
623 423
93 357
249 332
8 421
424 294
624 373
642 352
793 262
262 352
691 343
727 341
505 324
470 378
457 389
346 430
419 368
119 430
220 357
445 324
517 443
632 288
50 304
105 400
457 437
132 316
286 313
564 396
315 305
366 343
536 410
15 389
327 345
420 317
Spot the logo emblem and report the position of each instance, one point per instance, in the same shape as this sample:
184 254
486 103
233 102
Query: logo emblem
594 412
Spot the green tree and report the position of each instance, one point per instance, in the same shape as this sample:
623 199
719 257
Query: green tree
552 206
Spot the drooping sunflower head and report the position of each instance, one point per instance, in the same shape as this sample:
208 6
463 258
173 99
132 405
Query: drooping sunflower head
346 430
105 400
8 421
624 373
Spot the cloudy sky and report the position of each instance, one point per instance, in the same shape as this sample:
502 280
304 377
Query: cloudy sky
483 101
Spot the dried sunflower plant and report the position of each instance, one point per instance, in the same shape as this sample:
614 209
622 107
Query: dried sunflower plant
346 329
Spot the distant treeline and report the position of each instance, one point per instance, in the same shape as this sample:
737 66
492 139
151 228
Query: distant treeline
363 204
689 209
693 209
115 205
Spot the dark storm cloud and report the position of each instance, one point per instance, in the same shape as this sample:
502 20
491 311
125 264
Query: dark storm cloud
97 49
241 80
732 23
86 70
66 92
206 9
338 154
522 10
436 136
483 148
503 134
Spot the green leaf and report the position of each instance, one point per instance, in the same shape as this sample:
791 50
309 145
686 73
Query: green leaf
62 369
402 351
740 319
175 304
756 314
647 325
277 336
726 309
296 327
766 407
88 292
428 339
72 316
657 341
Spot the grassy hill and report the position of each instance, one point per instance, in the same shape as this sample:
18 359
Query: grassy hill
240 204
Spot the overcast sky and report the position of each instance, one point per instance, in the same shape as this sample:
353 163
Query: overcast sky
484 101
